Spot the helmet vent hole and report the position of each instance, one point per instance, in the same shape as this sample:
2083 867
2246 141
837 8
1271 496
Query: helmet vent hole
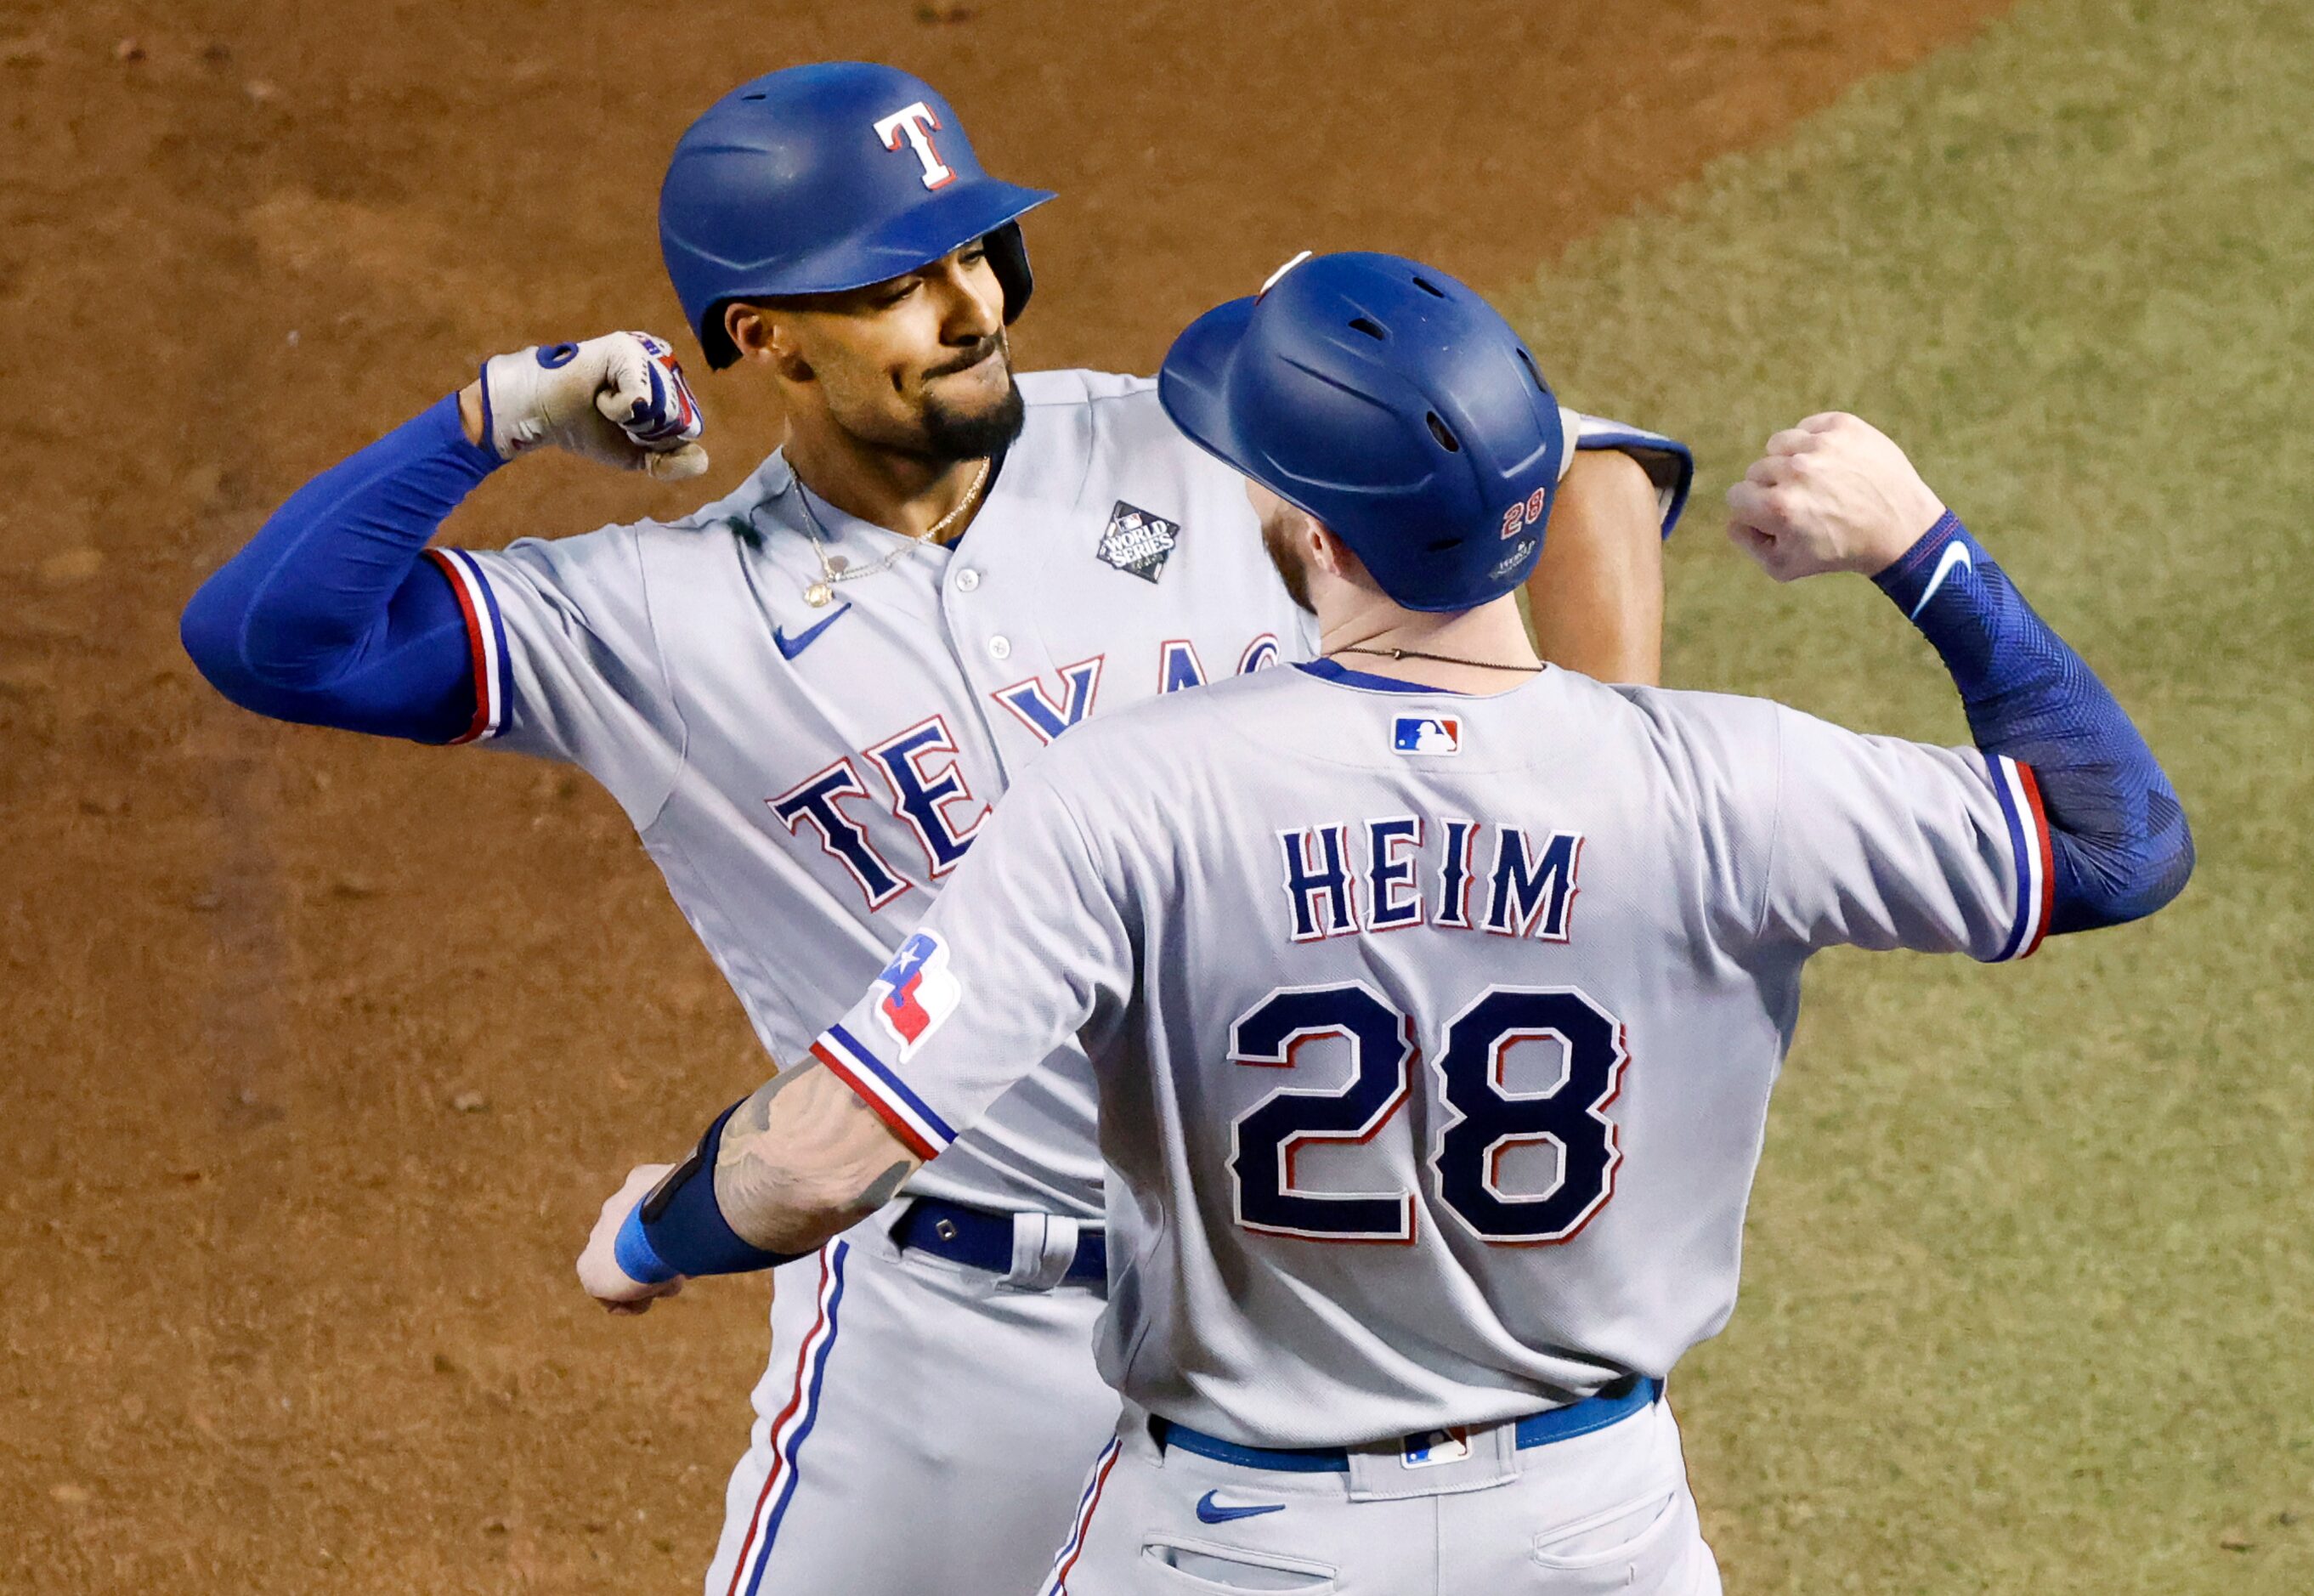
1440 545
1372 329
1533 375
755 96
1438 430
1429 287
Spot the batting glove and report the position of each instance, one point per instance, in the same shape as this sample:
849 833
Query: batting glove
620 399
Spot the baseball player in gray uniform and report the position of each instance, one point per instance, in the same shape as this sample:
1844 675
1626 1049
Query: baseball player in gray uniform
806 695
1433 996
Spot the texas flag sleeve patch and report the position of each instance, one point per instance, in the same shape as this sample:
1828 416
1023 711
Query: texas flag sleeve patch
918 992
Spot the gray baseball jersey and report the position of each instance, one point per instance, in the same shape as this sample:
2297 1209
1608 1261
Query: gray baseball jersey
1434 1034
807 777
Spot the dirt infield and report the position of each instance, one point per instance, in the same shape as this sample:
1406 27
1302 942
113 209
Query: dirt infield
320 1052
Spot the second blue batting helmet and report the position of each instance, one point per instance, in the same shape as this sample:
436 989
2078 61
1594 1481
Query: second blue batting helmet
824 178
1393 404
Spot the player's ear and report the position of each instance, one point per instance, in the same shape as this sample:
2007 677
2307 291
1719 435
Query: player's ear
1332 555
758 335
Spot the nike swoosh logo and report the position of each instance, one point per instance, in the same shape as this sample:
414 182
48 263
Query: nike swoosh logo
790 647
1210 1511
1956 553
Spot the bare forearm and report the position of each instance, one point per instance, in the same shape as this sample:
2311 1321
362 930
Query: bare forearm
804 1159
1596 599
469 413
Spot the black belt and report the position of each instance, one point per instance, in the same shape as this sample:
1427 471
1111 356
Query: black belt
983 1240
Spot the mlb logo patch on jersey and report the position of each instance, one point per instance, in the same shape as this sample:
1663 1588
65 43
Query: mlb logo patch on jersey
1138 542
919 993
1427 734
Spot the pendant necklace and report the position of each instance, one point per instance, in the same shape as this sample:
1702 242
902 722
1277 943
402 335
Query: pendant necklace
835 568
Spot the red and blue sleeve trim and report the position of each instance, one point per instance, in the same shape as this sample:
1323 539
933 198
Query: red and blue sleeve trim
2019 793
485 637
911 1118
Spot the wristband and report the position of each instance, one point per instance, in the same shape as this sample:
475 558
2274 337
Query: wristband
679 1228
636 1257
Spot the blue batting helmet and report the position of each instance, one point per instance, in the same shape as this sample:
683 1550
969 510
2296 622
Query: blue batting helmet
824 178
1393 404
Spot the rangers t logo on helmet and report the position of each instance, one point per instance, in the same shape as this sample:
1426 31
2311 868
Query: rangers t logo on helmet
915 123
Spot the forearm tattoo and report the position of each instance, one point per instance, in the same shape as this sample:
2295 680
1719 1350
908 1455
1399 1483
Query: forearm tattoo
803 1159
886 1185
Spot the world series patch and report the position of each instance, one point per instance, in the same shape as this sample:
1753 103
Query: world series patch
1138 542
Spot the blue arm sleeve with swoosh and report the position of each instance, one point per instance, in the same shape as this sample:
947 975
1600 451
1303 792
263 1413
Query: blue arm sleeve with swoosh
2120 845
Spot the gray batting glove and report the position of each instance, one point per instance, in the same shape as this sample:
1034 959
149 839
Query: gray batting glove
620 399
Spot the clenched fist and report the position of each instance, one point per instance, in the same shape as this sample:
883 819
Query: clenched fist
620 399
1833 494
599 1265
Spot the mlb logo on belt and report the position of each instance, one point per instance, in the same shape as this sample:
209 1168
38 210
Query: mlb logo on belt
919 993
1433 1447
1427 734
1138 542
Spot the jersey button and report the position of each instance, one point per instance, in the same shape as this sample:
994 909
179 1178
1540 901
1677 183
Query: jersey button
966 581
999 647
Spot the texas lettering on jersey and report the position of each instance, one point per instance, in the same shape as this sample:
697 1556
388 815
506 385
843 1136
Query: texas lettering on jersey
920 770
1363 878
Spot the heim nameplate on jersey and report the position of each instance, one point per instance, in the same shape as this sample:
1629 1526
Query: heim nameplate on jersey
1377 875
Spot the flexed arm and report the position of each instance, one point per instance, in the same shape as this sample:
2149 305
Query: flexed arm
330 616
1836 494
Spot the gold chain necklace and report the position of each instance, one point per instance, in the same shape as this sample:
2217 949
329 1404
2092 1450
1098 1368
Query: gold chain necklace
835 568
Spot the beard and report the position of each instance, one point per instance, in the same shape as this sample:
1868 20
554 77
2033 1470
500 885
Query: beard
952 433
1278 543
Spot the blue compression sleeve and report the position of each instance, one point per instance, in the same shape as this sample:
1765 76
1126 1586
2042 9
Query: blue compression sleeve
2116 831
330 617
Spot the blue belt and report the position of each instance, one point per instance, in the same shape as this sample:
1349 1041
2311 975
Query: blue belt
1617 1402
983 1240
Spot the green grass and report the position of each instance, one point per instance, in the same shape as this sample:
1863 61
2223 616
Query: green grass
2029 1305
